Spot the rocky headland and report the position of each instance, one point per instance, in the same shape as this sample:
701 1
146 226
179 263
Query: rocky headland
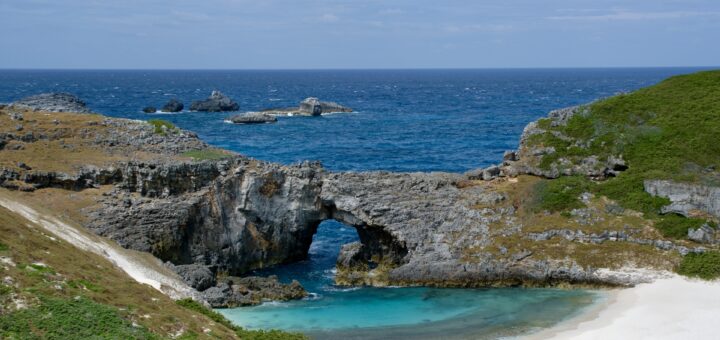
536 219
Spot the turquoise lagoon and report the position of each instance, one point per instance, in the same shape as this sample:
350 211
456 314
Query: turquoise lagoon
333 312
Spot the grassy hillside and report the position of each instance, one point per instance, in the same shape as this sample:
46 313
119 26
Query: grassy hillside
667 131
51 290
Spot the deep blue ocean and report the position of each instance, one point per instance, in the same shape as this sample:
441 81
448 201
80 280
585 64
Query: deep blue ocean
404 120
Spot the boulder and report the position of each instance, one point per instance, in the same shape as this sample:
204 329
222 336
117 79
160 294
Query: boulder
252 118
53 102
311 106
197 276
704 234
173 105
252 290
217 102
150 109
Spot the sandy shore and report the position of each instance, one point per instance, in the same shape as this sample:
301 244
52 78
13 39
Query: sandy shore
669 308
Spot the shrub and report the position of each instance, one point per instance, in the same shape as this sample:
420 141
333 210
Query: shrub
705 265
161 126
560 194
206 154
677 226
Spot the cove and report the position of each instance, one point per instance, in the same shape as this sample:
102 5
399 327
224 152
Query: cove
333 312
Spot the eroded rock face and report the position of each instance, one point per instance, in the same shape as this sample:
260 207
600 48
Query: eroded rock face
687 199
234 216
53 102
311 106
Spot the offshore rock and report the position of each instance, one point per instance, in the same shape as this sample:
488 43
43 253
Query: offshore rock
311 106
149 109
252 118
53 102
173 105
217 102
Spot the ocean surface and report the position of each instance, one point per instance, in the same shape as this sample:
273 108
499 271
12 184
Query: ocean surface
405 120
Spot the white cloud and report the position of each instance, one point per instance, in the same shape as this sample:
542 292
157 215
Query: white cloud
477 28
391 11
633 16
329 17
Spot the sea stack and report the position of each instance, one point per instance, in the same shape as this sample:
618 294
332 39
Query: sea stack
217 102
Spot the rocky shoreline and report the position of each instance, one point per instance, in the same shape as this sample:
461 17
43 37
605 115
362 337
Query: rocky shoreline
232 215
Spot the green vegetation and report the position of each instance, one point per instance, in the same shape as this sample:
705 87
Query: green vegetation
676 226
206 154
73 294
705 265
84 284
4 247
69 319
242 333
561 194
162 126
666 131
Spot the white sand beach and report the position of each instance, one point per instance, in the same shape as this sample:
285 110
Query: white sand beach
669 308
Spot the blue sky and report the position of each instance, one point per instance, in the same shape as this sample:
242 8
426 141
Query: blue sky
282 34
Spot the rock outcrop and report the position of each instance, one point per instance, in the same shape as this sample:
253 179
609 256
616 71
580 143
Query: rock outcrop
234 215
536 158
687 199
251 290
53 102
217 102
252 118
173 105
149 109
309 107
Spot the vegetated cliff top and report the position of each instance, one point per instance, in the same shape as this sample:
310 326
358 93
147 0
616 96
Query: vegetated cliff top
666 131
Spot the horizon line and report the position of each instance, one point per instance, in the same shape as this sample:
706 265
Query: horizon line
361 69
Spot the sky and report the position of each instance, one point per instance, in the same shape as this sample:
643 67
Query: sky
325 34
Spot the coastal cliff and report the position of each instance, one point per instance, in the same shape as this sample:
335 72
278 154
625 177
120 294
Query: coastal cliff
549 214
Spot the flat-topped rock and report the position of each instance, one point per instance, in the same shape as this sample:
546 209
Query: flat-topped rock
53 102
217 102
310 106
252 118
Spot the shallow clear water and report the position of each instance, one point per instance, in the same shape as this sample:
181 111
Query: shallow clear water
406 120
333 312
